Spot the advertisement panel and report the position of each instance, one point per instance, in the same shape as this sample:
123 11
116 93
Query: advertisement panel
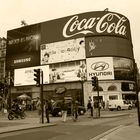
85 24
23 47
108 46
63 51
64 72
102 67
123 68
25 76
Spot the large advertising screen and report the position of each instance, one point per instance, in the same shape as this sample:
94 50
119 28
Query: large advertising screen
101 67
117 68
123 68
69 71
95 23
23 47
108 46
25 76
63 51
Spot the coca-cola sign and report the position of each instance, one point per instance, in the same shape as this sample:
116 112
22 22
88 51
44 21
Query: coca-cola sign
85 24
108 23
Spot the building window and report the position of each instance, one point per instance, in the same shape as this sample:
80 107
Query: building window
112 88
113 97
127 86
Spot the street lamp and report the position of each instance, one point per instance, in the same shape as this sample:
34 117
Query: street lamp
36 38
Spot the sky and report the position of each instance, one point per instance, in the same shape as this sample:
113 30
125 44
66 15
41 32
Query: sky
12 12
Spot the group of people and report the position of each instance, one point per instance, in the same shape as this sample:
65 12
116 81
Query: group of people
64 108
95 106
74 110
45 108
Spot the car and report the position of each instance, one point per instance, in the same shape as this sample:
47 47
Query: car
57 105
119 105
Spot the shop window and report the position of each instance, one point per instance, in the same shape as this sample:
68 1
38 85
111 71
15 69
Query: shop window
127 86
112 88
113 97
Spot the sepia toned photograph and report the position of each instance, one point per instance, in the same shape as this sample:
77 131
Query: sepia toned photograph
69 70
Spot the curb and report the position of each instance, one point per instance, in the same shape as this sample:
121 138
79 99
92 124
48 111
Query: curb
26 127
114 116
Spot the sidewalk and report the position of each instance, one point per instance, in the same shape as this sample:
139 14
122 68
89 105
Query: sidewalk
131 132
32 121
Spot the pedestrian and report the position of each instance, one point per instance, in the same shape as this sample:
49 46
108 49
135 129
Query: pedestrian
96 105
103 105
47 111
74 110
38 107
64 111
90 106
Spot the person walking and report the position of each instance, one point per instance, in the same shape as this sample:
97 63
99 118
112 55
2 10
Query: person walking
90 107
75 110
47 111
38 107
64 111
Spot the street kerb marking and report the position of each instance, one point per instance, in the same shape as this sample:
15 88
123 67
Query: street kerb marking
100 137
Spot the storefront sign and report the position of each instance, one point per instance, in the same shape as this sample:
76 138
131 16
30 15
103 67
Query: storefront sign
60 90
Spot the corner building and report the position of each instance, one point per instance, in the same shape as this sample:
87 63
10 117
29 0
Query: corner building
70 51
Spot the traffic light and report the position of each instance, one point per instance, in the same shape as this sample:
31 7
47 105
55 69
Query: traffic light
37 76
94 81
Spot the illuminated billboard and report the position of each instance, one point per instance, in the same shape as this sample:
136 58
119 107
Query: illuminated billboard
123 68
23 47
25 76
97 23
69 71
63 51
117 68
108 46
102 67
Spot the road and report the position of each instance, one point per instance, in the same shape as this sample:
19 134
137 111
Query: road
83 129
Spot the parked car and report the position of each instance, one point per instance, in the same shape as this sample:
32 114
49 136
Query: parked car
56 108
119 105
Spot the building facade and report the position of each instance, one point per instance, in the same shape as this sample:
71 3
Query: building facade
2 64
70 51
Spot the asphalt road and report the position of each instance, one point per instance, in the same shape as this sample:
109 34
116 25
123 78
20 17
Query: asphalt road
80 130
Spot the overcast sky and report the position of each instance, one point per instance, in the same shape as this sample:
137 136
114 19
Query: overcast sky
35 11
